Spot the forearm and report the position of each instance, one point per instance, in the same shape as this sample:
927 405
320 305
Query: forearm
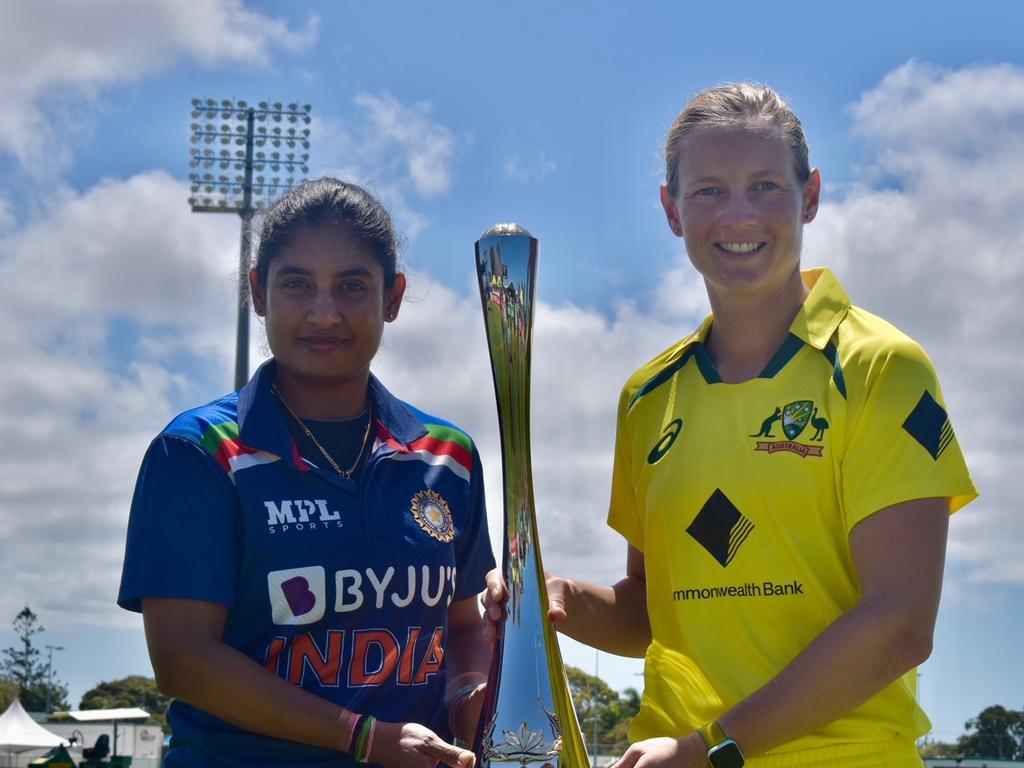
227 684
853 659
612 619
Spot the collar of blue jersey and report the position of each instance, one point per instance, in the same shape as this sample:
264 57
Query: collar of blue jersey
261 426
816 320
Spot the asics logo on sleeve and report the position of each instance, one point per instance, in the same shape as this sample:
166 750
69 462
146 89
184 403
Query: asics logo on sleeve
669 435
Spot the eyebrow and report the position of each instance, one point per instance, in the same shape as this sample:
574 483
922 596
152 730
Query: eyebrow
353 272
717 179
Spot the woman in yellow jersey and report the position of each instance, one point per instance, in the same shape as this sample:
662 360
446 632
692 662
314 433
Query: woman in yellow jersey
783 478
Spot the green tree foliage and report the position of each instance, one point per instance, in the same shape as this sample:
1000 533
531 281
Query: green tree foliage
997 732
23 665
594 700
8 693
131 691
938 749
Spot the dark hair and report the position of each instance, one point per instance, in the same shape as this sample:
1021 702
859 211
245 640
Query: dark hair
736 104
329 201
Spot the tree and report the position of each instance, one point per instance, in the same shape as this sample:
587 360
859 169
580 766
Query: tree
131 691
594 700
8 693
998 733
23 665
938 749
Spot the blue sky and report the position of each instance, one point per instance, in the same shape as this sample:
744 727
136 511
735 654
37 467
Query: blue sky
116 300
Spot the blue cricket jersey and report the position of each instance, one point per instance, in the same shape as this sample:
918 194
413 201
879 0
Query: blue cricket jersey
341 588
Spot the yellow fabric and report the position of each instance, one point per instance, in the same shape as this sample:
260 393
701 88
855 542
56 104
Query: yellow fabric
742 498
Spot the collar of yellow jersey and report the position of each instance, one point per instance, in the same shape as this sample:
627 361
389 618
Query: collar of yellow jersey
816 320
822 311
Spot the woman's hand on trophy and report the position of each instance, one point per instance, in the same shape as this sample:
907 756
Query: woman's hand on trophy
495 602
410 745
665 752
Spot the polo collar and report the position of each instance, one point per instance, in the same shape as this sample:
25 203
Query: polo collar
261 425
822 311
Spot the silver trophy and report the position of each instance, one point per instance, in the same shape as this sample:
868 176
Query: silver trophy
528 717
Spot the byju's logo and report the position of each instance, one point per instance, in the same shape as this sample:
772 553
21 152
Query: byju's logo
297 595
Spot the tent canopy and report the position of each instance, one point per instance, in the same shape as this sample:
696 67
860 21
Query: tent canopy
19 731
125 713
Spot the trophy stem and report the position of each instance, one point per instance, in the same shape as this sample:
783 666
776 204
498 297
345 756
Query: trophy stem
528 718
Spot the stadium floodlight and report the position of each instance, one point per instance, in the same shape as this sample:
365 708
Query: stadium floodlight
236 123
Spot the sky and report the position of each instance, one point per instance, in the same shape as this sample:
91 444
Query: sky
116 302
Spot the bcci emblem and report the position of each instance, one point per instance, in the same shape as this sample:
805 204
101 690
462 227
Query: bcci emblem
431 512
795 417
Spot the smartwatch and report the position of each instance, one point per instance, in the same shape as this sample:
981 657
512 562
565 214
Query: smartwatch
723 752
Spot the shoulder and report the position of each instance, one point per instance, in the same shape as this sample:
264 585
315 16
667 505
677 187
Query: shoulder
207 426
444 439
656 371
870 346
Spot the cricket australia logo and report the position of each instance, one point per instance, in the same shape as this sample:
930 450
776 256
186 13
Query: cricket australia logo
795 417
432 514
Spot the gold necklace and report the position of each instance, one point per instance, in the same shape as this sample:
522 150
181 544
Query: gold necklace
346 473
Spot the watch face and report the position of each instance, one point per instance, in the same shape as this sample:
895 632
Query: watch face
726 755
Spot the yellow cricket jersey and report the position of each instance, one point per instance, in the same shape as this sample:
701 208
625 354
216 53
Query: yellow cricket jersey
742 498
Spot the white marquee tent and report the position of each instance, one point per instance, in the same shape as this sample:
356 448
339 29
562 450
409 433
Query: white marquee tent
19 731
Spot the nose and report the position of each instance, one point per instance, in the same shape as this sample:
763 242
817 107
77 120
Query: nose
738 211
323 309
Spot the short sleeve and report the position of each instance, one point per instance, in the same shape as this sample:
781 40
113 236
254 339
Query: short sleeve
183 536
902 445
624 514
473 555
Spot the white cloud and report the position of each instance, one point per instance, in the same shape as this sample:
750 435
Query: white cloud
55 55
105 295
408 132
391 148
935 252
535 169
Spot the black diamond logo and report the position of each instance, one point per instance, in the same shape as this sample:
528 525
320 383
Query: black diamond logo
929 425
720 528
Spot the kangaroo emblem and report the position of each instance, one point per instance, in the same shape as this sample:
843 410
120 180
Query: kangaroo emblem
820 424
766 425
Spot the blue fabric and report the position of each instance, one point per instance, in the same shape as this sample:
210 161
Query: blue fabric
334 586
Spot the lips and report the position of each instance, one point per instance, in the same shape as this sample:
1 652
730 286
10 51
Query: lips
321 343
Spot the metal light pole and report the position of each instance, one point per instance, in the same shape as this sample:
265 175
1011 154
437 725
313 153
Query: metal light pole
49 673
247 129
597 659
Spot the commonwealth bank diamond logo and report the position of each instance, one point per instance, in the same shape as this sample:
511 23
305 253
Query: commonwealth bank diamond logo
720 528
929 425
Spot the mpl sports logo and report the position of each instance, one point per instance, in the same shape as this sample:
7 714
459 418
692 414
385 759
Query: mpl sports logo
795 417
290 515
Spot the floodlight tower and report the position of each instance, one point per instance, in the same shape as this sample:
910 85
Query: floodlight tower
235 134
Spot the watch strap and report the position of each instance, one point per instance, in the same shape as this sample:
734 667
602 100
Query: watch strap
712 734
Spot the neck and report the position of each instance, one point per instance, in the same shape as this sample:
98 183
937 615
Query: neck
746 334
324 400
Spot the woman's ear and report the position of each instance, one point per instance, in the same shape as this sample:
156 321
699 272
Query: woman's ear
393 297
812 195
259 295
671 212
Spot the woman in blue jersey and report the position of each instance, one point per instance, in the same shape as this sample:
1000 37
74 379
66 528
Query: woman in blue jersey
307 552
783 478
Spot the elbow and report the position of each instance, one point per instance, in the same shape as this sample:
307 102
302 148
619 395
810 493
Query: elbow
905 644
917 647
